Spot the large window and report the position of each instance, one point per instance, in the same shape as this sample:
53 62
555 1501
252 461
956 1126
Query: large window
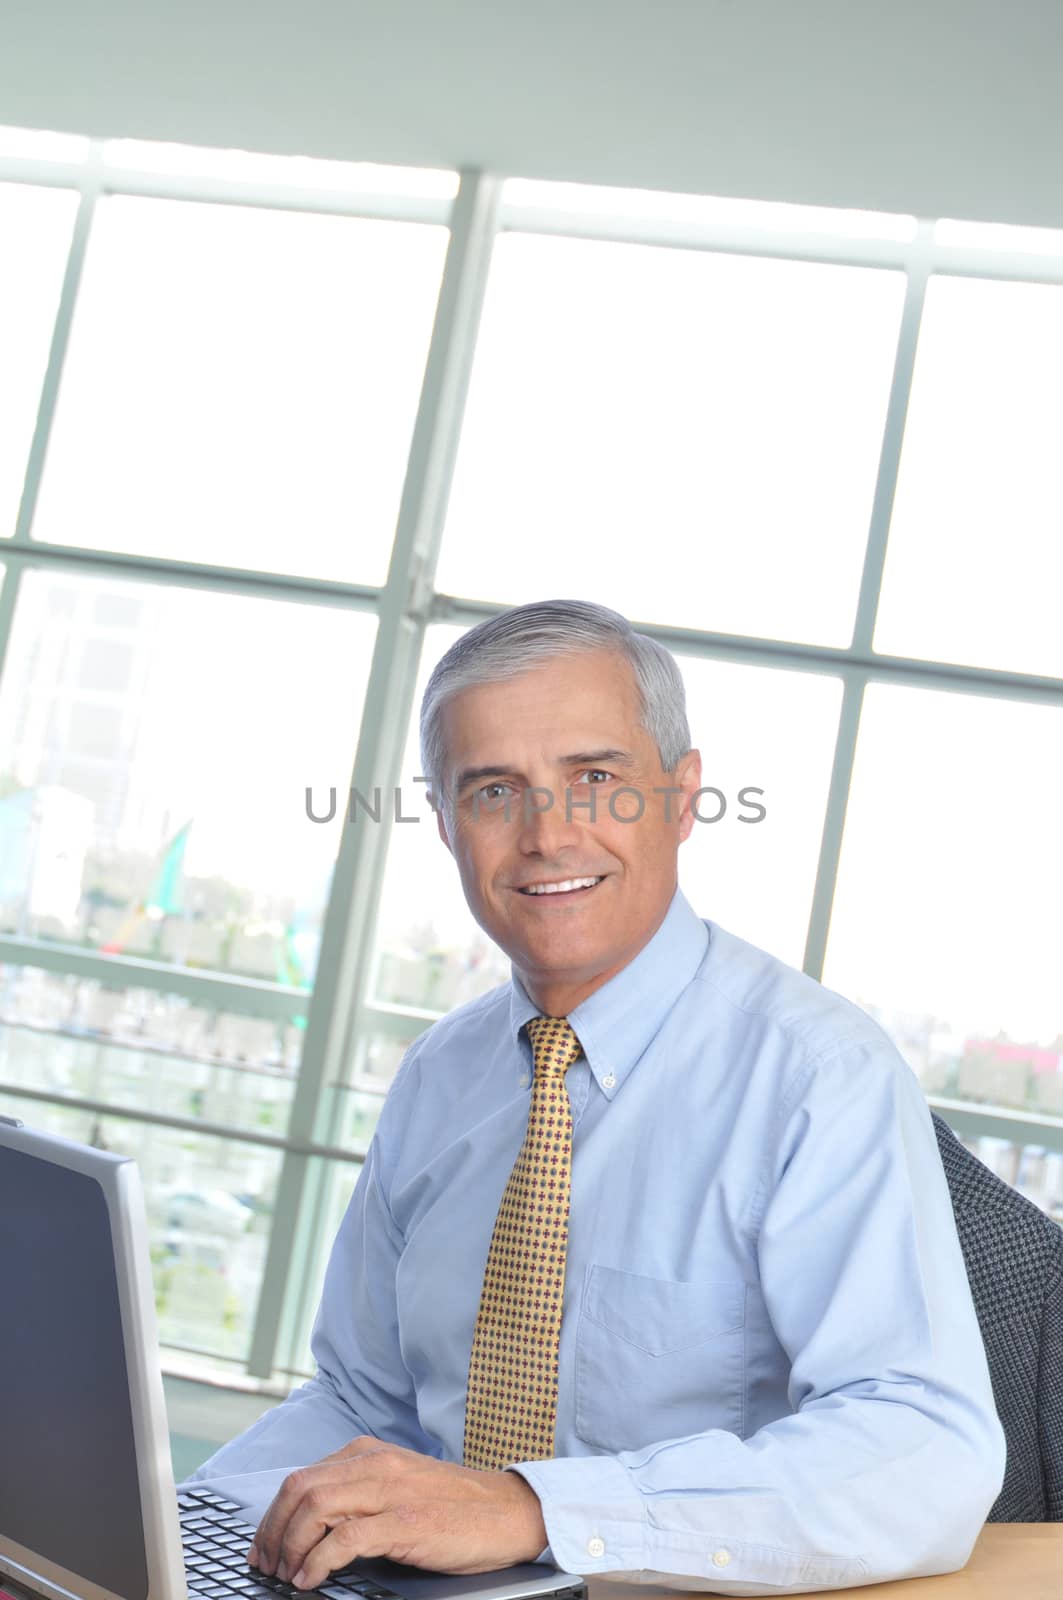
240 386
277 430
946 922
689 436
975 566
155 740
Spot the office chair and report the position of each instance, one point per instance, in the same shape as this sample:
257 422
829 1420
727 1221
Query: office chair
1014 1259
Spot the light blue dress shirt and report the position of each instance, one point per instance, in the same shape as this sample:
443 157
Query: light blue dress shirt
771 1375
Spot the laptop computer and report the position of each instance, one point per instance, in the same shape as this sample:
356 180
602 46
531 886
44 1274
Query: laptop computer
88 1506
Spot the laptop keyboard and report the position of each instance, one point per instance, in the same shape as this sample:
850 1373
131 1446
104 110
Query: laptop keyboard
216 1539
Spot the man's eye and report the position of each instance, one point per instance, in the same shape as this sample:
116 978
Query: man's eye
595 775
493 791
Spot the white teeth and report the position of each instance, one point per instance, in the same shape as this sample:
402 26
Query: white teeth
561 888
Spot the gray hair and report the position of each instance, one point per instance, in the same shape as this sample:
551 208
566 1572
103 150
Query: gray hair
524 637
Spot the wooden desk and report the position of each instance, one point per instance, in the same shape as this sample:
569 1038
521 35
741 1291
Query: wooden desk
1011 1561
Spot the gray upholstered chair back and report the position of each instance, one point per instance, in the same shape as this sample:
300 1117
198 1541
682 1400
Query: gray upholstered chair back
1014 1258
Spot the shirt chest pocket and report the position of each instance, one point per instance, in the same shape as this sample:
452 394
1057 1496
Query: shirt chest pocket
657 1359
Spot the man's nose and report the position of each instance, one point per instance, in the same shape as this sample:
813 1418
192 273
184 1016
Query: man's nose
547 825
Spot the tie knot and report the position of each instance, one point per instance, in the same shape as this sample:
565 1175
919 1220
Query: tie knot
554 1045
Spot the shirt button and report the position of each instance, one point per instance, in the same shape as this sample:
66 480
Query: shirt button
524 1080
609 1081
721 1558
596 1547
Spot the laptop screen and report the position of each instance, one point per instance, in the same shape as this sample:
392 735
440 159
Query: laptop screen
68 1472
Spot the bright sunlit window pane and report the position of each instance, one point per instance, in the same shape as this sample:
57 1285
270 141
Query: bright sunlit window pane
157 744
946 920
578 198
685 436
39 144
241 387
974 567
35 227
303 172
999 236
758 729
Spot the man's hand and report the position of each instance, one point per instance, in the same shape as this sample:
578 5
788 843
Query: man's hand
374 1499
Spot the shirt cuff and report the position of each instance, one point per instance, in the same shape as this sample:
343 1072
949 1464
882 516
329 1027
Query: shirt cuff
595 1516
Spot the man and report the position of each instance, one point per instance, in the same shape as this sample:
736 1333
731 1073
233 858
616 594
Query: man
652 1263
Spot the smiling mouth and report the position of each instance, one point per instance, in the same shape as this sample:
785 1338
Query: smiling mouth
564 886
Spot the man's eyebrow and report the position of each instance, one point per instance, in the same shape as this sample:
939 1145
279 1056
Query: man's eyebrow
475 774
599 758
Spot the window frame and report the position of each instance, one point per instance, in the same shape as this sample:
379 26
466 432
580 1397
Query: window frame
338 1011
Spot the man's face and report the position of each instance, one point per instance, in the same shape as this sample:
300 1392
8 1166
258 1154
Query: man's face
571 729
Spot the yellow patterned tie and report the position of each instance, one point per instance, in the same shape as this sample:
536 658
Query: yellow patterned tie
511 1405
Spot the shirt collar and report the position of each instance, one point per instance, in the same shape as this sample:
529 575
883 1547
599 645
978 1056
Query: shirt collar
617 1022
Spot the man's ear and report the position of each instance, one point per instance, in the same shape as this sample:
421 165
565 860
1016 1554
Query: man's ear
442 826
688 778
